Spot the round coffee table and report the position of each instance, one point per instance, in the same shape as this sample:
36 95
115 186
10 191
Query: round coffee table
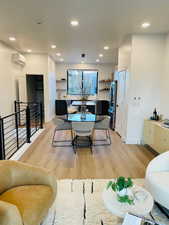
143 204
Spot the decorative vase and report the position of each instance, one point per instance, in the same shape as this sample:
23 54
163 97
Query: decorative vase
125 191
83 112
83 116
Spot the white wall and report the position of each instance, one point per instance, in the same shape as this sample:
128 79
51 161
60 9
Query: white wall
147 69
37 64
8 73
51 87
105 72
164 104
124 55
42 64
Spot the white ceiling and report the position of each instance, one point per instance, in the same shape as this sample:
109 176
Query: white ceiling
101 22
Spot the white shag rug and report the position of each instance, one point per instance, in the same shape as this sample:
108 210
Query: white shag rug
79 202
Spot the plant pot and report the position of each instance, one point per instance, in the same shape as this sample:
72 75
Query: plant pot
126 191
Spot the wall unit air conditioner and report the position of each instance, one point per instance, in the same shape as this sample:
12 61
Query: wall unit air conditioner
19 59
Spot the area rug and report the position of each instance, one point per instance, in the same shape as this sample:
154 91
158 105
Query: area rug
79 202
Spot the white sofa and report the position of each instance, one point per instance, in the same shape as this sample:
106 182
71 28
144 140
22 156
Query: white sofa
157 179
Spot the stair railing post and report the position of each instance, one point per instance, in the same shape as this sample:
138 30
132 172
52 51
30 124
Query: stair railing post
17 129
15 106
41 115
28 125
17 109
2 141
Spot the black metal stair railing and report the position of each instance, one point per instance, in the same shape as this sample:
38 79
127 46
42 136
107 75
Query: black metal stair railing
17 129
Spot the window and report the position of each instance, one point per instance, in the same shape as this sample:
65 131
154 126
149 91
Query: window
82 82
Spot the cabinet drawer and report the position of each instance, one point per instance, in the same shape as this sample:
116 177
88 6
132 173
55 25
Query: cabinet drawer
156 136
148 133
161 139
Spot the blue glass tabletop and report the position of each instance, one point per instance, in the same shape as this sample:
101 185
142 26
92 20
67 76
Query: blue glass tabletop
79 117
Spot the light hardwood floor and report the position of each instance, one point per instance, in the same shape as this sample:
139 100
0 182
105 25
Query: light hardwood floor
118 159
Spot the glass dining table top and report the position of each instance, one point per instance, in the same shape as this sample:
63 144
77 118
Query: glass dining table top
80 103
79 117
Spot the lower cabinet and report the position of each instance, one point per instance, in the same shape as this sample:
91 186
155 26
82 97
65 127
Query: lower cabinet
156 136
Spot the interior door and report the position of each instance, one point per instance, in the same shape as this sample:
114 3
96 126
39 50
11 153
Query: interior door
120 107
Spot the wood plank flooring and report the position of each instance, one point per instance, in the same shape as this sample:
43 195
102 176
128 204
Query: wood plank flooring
118 159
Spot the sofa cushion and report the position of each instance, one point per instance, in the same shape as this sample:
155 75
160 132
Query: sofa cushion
33 201
158 185
161 179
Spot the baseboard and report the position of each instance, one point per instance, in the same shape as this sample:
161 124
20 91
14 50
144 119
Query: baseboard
132 141
151 149
129 141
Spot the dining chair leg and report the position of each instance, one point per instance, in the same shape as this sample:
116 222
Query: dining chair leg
109 136
106 136
72 136
74 144
74 148
56 143
53 138
91 149
108 139
91 144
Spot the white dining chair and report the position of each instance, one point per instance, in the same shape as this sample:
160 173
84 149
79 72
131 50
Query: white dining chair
61 125
81 130
103 125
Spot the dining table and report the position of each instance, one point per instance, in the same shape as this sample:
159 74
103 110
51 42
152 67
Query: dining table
82 117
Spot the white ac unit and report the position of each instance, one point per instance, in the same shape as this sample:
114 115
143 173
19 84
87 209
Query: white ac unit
19 59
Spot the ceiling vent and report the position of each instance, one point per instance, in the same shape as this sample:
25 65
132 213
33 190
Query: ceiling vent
18 59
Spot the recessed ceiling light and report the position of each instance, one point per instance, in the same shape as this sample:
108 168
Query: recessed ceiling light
12 38
58 54
53 46
74 23
29 50
106 47
61 60
97 60
145 25
100 55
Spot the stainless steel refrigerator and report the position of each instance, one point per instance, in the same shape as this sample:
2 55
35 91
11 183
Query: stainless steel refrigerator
113 104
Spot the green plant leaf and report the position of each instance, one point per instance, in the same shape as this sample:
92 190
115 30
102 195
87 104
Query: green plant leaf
120 183
129 183
114 186
109 185
125 199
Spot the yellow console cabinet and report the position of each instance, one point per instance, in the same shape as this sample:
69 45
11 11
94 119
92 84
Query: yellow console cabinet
156 136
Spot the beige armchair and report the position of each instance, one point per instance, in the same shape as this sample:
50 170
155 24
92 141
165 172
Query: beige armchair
157 179
26 193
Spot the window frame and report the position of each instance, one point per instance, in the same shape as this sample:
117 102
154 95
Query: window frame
97 86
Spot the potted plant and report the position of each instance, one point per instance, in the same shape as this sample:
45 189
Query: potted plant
122 186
